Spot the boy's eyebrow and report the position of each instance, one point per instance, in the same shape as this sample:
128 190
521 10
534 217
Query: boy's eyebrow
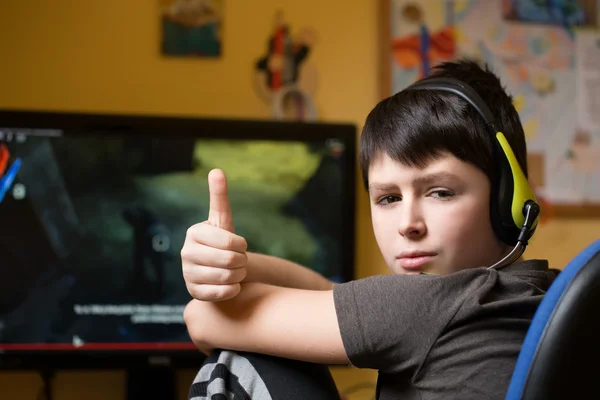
436 177
384 187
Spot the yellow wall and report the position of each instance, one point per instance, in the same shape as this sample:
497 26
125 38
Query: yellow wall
104 56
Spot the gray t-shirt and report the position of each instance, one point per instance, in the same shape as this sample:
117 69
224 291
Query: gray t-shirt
441 337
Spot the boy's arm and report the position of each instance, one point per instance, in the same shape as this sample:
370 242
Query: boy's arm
215 260
284 322
279 272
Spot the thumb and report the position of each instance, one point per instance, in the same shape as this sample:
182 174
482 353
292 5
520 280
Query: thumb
219 213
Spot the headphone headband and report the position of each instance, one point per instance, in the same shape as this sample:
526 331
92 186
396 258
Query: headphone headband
461 89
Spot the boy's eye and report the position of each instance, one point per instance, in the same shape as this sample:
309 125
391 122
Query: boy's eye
442 194
388 199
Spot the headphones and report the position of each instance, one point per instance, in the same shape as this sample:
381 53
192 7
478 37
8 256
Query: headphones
514 210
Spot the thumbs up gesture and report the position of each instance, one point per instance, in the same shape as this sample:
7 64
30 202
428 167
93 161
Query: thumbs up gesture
213 257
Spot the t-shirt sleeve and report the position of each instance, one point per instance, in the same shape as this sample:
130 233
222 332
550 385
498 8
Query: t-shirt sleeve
389 322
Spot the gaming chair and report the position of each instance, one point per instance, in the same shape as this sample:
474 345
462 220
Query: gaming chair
561 351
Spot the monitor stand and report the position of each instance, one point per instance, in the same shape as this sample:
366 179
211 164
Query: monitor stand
151 382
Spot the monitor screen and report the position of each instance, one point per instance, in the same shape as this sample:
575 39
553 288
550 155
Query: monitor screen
94 217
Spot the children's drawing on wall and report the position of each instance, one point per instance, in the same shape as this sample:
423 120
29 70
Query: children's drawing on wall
535 57
421 38
581 162
284 76
532 45
536 165
191 27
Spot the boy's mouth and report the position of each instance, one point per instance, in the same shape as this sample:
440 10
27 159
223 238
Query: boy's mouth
414 259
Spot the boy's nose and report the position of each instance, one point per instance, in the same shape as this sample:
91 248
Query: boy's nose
411 224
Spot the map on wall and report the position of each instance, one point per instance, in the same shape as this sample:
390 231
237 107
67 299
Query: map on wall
547 54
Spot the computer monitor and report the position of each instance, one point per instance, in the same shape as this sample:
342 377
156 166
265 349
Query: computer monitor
95 208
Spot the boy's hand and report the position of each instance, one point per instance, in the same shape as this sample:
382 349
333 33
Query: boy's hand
213 257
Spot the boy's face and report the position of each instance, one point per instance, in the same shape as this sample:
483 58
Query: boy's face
433 220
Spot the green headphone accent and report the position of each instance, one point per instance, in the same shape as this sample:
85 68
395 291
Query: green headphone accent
514 210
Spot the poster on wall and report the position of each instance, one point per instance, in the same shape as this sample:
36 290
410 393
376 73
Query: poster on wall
545 55
191 28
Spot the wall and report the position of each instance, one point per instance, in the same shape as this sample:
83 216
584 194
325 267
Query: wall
103 56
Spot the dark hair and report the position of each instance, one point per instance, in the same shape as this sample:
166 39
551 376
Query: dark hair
415 127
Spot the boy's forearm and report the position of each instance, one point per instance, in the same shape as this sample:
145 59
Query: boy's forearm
273 320
279 272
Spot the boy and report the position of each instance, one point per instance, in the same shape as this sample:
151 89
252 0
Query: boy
444 325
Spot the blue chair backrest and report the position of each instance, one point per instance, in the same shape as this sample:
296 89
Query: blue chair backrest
561 351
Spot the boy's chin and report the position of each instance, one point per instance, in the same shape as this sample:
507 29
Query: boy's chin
429 269
398 270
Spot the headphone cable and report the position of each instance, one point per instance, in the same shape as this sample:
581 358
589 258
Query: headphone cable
531 210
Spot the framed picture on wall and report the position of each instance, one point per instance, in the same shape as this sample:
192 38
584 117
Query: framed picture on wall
539 63
191 28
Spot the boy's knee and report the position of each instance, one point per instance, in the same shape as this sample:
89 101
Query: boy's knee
229 374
